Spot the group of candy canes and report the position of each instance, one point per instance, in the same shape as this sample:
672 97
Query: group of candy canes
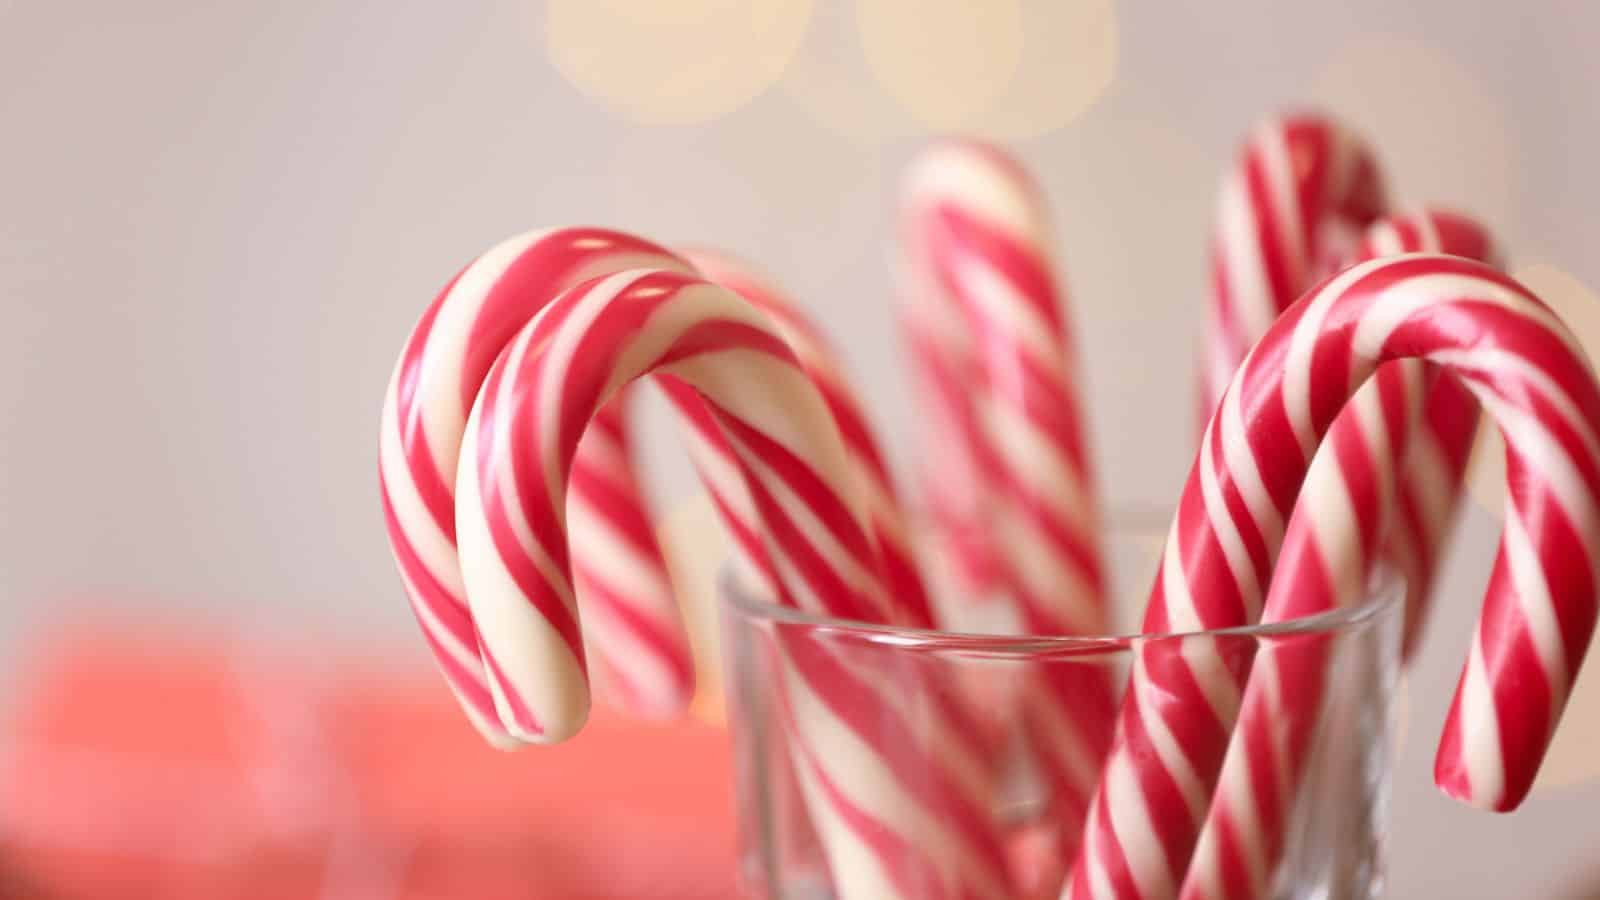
1347 354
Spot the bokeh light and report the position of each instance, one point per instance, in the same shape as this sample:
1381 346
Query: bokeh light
830 83
674 63
944 60
1442 137
964 65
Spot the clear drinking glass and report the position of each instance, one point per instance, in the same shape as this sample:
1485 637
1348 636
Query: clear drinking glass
780 661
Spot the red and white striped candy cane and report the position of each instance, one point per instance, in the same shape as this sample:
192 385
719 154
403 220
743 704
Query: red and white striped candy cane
1528 372
977 226
1335 537
889 834
901 576
1298 193
1367 490
1287 210
1435 467
977 229
425 409
906 593
957 469
975 735
965 745
635 641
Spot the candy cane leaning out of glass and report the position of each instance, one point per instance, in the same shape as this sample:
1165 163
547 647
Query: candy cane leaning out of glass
1288 215
1349 509
621 579
1527 372
886 836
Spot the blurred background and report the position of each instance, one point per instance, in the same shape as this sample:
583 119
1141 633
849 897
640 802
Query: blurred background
219 221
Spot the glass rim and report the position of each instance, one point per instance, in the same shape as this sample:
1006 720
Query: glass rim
1384 593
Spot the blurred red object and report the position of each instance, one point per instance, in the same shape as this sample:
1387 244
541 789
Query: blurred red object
144 764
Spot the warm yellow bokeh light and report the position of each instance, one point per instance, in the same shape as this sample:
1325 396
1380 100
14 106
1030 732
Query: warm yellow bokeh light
830 83
1001 68
944 60
674 63
1441 136
1579 306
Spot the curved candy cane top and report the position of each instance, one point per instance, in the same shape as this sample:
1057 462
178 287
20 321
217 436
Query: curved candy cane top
1440 445
1300 190
1387 477
1428 231
425 410
517 455
1539 610
902 579
982 181
978 193
1529 373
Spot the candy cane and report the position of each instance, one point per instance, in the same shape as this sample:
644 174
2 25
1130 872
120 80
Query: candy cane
1334 538
1525 368
958 481
977 229
902 578
894 822
1431 488
965 740
636 642
972 736
961 741
1300 188
1352 504
424 414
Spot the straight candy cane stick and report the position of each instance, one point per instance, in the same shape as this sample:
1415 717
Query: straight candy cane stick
977 228
979 183
980 231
